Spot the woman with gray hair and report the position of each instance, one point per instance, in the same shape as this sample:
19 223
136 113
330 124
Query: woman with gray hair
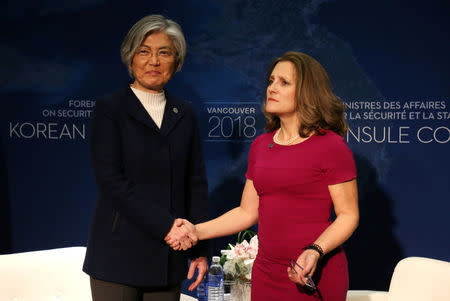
149 169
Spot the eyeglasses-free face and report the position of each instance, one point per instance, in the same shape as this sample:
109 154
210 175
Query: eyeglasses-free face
281 88
309 283
153 63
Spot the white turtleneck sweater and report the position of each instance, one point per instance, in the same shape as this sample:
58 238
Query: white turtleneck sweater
153 103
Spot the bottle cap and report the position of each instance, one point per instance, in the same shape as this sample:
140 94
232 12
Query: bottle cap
216 259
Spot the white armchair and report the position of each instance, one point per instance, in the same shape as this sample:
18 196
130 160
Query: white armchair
414 279
47 275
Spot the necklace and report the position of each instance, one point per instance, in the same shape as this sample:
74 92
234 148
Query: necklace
287 142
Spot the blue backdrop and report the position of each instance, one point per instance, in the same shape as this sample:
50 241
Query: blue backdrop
388 60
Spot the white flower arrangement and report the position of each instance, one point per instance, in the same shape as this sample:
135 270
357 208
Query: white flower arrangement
237 260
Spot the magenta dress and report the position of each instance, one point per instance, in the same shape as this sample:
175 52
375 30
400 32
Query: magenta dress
294 209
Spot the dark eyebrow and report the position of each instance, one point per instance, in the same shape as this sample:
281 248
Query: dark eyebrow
162 47
280 77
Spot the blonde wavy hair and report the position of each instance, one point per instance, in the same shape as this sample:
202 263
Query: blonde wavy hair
316 104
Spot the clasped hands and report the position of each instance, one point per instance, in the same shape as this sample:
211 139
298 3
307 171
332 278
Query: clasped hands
182 235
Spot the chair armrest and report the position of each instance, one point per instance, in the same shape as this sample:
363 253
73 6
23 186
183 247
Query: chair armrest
184 297
359 295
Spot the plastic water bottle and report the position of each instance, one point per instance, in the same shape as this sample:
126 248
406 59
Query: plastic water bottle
202 291
215 280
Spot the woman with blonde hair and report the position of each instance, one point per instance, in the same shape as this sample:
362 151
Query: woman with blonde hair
298 172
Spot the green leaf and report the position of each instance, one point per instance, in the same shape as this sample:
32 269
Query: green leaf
223 258
243 234
238 270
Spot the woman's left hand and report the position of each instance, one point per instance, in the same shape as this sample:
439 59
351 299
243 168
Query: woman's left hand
308 261
201 264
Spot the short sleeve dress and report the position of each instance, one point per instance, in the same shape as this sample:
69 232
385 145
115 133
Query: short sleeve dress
295 207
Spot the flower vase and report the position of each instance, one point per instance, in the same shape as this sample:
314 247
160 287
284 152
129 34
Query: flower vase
246 290
241 290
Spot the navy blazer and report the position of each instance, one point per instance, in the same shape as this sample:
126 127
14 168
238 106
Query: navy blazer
146 178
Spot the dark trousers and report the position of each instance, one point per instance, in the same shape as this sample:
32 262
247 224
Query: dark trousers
109 291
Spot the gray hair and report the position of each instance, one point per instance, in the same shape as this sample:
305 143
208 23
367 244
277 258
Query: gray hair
145 27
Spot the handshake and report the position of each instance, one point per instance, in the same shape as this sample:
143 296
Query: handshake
182 236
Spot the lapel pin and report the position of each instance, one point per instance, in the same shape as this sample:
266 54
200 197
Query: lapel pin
175 110
270 145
